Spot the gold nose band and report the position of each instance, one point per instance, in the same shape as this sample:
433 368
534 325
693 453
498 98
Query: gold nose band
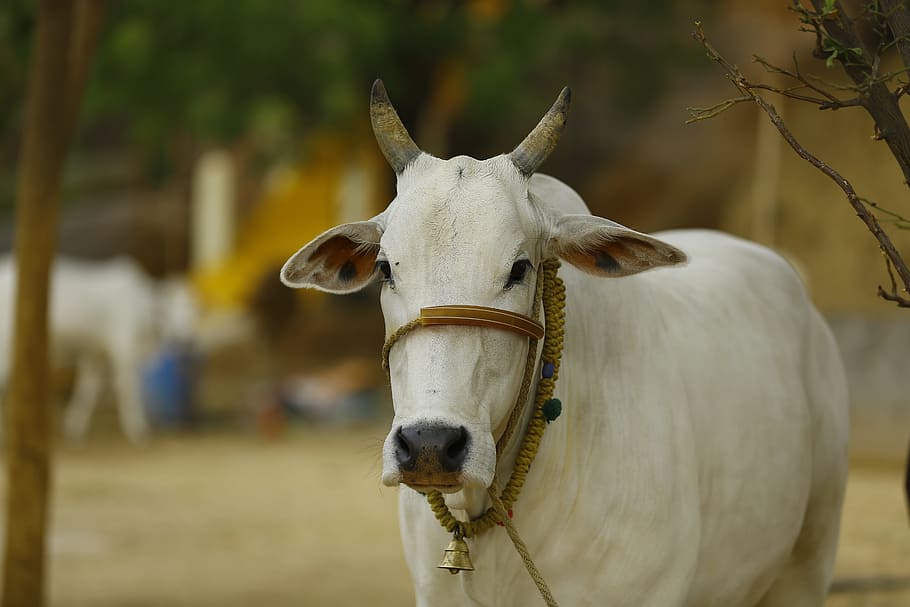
480 316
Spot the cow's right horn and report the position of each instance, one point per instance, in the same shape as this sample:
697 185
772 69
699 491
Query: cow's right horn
396 145
535 148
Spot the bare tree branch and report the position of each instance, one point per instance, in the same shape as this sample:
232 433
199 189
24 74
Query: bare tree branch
826 100
704 113
830 101
888 249
892 294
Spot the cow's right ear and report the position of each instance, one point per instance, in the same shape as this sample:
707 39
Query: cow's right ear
340 260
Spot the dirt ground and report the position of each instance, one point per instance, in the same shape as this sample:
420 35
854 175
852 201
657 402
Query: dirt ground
232 520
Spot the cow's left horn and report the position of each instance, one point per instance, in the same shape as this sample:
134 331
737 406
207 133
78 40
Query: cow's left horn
531 152
394 141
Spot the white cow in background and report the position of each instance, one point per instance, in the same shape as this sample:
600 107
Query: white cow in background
107 318
701 456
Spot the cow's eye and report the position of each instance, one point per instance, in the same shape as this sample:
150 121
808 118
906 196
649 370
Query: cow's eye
385 269
519 271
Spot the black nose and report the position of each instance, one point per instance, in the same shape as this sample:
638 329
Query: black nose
431 448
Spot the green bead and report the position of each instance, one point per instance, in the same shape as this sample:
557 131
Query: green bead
551 409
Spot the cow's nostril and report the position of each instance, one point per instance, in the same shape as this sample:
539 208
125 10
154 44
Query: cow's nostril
404 451
457 446
456 449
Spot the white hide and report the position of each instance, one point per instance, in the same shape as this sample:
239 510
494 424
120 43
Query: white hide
700 459
106 318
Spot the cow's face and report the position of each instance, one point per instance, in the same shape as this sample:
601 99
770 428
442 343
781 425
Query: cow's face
460 231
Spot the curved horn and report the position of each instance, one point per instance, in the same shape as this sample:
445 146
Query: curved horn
531 152
396 145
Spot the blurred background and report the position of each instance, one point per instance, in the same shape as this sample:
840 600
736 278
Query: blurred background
222 433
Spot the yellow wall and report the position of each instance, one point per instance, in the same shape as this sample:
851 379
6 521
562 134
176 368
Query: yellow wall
298 204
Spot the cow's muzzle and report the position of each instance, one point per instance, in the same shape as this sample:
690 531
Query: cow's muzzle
431 456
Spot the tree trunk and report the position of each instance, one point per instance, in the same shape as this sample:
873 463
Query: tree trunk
897 15
65 36
877 99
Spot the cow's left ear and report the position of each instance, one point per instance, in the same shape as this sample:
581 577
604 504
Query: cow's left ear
340 260
604 248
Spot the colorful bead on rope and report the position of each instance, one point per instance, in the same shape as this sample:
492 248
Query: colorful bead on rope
551 409
547 370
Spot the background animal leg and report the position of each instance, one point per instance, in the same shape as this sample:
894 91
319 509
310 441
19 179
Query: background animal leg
86 394
133 420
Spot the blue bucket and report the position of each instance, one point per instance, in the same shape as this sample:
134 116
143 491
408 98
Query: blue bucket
167 388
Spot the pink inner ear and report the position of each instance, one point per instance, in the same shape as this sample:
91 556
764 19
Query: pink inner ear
344 260
615 258
601 258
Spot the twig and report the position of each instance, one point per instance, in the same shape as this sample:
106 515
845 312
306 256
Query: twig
823 104
833 85
896 217
832 101
892 294
892 255
704 113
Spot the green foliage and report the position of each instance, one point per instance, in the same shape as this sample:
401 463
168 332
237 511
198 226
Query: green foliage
835 50
16 23
218 70
272 71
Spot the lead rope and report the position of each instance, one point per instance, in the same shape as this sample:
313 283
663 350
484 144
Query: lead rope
521 548
551 292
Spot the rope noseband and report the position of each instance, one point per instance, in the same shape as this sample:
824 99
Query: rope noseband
550 292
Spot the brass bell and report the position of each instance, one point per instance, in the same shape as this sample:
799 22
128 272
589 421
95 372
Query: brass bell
456 557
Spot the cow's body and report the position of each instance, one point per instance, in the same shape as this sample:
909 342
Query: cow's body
700 455
700 459
106 318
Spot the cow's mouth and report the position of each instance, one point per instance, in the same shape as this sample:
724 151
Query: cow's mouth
445 482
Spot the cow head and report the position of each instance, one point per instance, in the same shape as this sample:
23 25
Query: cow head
460 231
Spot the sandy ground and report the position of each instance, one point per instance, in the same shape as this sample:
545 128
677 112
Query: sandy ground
240 521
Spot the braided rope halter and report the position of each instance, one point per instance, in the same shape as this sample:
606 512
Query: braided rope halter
551 294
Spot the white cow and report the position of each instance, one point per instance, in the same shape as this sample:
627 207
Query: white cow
107 318
701 456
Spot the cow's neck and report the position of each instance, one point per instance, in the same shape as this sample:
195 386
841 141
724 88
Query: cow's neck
506 461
